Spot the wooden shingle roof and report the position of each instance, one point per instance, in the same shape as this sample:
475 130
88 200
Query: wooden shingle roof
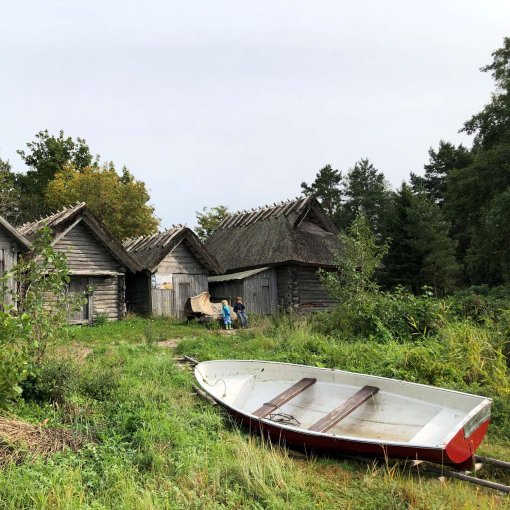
293 231
25 244
53 220
62 221
151 250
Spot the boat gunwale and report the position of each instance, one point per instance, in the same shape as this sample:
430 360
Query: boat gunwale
448 438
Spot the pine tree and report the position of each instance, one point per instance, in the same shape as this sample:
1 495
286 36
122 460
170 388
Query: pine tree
441 161
420 251
366 191
473 193
326 189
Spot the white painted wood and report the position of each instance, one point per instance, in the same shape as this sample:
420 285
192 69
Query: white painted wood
400 413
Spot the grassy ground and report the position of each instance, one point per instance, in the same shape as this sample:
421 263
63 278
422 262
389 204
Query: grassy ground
156 445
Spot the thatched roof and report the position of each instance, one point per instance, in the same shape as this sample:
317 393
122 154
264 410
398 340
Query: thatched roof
23 242
293 231
151 250
61 222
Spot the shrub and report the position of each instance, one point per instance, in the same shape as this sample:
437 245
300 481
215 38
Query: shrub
25 336
384 316
54 381
99 382
100 319
481 302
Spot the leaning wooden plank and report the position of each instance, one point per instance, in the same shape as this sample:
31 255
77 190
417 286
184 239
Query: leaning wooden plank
284 397
343 410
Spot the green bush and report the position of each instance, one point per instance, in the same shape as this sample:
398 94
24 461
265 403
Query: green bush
27 332
384 316
100 319
481 302
99 382
54 381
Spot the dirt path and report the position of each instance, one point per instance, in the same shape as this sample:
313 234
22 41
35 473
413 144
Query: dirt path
169 343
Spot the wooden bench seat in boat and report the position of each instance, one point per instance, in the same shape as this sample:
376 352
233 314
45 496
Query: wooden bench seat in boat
344 409
284 397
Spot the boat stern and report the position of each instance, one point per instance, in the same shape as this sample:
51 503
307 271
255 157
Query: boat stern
463 444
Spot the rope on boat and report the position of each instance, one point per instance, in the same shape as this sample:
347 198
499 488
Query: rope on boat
285 419
281 417
212 385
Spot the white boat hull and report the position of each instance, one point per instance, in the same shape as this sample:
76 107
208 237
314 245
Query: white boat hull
401 419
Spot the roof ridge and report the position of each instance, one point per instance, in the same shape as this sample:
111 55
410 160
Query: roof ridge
158 239
244 217
30 225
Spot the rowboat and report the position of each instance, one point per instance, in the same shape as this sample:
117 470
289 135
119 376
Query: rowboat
339 412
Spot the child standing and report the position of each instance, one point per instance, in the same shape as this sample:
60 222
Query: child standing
227 320
239 309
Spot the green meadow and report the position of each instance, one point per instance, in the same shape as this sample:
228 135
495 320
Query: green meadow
151 443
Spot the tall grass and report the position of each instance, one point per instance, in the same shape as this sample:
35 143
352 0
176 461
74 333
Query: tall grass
156 446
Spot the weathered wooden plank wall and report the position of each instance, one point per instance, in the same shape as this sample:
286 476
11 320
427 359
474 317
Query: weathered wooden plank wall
312 294
105 297
287 290
259 292
181 260
85 253
188 277
8 258
227 290
92 266
163 303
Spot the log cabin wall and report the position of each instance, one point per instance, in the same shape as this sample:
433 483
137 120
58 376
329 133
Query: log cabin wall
312 294
300 289
105 297
287 288
93 268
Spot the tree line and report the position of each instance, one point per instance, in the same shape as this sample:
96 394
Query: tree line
451 226
63 171
446 228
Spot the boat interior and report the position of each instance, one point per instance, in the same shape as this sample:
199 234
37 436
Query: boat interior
338 403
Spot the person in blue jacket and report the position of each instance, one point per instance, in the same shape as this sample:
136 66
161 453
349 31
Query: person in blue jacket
239 310
227 318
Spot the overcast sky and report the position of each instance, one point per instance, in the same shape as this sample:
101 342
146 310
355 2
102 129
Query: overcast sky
237 102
